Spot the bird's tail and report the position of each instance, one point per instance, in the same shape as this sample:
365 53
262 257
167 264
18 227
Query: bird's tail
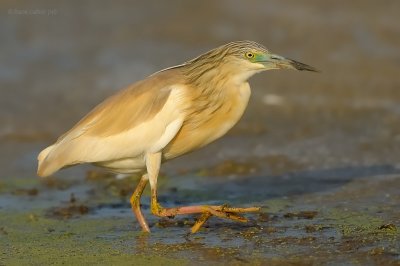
47 165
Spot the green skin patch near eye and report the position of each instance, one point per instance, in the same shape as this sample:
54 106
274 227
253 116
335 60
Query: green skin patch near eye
259 57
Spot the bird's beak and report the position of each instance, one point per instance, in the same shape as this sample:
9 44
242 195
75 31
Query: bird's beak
273 61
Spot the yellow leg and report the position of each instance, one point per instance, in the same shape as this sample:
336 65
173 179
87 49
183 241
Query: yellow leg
135 203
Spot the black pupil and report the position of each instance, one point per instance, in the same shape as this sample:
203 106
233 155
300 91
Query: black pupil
250 55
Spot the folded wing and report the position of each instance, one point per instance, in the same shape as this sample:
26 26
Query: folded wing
141 118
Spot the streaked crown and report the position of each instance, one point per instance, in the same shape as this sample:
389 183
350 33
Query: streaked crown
237 48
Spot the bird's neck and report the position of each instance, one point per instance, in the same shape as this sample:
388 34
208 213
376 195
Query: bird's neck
211 79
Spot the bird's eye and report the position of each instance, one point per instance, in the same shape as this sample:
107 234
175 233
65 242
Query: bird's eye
249 55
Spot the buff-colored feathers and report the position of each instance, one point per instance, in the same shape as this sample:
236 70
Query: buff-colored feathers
102 135
173 111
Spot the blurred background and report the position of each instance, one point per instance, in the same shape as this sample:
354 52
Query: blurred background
58 59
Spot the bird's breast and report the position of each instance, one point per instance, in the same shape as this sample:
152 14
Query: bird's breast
208 118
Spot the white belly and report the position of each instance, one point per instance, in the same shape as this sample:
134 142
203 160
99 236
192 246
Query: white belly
124 166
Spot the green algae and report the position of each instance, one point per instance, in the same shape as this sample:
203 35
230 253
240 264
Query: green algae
351 223
43 241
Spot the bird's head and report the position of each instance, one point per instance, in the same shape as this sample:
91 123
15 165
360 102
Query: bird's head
240 59
252 56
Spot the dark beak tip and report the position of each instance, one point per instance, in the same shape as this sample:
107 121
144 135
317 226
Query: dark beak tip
311 69
303 67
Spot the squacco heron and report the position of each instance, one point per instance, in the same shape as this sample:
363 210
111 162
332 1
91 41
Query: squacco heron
170 113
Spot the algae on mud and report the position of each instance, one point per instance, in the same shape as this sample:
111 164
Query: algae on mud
286 230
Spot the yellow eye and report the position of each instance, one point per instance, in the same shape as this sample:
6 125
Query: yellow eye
249 55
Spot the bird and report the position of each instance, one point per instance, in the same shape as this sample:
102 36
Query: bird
168 114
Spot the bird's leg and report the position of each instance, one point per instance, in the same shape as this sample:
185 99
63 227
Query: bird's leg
135 203
153 162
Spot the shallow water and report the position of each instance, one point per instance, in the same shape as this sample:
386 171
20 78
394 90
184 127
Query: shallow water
318 152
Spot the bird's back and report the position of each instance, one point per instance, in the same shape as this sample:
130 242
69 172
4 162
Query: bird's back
131 114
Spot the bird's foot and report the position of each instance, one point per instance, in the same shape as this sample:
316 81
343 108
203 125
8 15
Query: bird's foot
206 211
223 211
